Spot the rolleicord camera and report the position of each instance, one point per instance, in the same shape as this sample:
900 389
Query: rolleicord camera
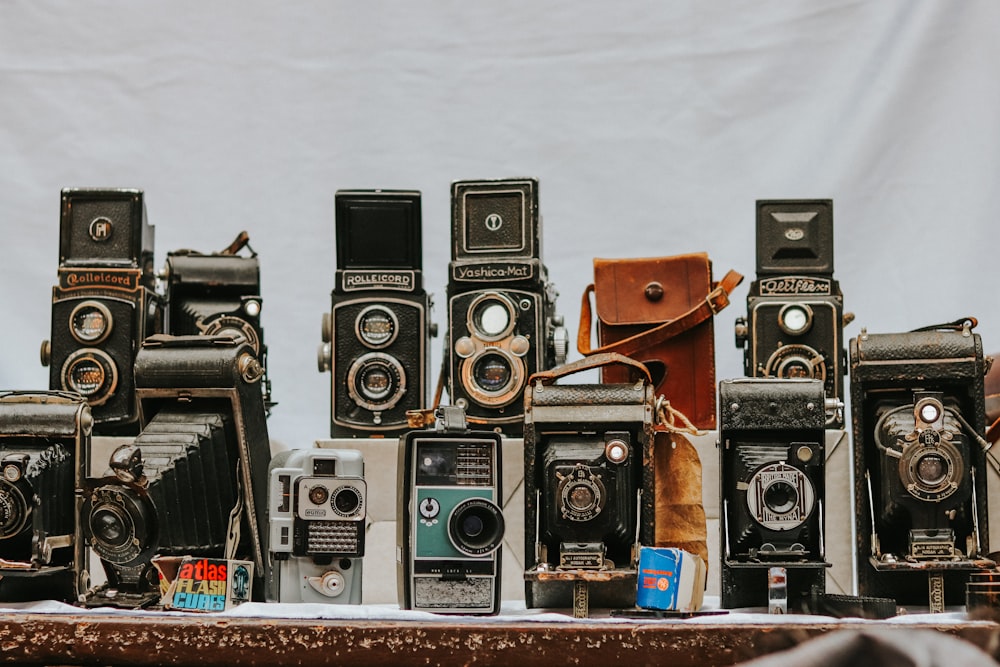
376 338
43 436
194 481
317 510
917 403
104 304
217 294
450 527
588 480
772 454
502 325
795 310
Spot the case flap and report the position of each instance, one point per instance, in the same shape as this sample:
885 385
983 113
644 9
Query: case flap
645 290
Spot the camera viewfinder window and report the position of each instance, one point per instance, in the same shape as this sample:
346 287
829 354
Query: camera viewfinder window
494 221
383 234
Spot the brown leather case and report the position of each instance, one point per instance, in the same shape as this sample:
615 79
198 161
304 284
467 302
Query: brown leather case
992 384
659 311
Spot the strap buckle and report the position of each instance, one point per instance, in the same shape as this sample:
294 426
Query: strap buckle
717 299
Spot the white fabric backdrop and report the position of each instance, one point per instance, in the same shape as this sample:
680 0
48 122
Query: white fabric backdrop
652 126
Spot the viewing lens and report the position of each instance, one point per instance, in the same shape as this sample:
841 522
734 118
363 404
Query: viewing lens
376 326
491 318
90 322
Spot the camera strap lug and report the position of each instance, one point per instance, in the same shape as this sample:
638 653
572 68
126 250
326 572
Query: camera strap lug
451 419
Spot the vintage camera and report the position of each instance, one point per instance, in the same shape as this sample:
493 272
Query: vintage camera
588 486
317 510
104 304
450 527
217 294
795 310
502 325
194 481
772 455
42 438
376 338
917 404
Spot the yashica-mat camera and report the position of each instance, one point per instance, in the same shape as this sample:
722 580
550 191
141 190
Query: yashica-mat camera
43 436
105 303
217 294
450 526
194 481
795 310
317 510
376 337
502 325
588 487
917 404
772 456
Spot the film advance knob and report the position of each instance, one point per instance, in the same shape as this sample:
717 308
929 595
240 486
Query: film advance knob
430 508
331 584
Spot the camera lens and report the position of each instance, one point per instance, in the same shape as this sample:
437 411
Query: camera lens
90 373
795 319
13 511
492 372
476 527
781 497
108 527
932 469
346 501
581 497
491 316
376 326
376 381
930 411
90 322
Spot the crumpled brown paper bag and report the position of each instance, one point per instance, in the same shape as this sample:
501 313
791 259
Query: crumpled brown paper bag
679 511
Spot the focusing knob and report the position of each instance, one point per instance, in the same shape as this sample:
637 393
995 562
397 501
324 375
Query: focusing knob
560 340
46 352
324 357
740 329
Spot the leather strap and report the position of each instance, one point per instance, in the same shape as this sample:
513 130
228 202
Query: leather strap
716 300
993 433
587 363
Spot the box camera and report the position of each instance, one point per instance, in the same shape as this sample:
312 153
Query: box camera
772 456
104 304
42 438
795 310
194 481
450 527
317 510
376 337
917 404
217 294
502 325
588 488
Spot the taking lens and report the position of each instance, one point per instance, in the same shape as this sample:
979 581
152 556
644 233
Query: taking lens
476 527
376 381
13 511
108 527
781 497
932 469
492 373
346 501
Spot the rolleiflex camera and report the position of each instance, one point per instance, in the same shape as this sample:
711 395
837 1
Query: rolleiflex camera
772 455
43 436
104 304
194 481
588 488
376 338
502 325
450 527
317 510
795 310
917 403
217 294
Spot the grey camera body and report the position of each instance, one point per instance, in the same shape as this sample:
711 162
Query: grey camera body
795 309
450 525
772 488
918 408
43 438
104 305
317 509
502 324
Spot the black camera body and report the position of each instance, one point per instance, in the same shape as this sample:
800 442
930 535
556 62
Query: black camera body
588 488
918 408
502 325
376 339
795 309
450 524
194 481
105 303
317 506
772 488
217 294
43 436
